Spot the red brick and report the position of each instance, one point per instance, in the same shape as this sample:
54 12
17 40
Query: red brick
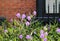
9 8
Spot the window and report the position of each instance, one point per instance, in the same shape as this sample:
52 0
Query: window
48 8
52 6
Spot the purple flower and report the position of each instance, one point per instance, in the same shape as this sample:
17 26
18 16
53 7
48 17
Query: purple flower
46 33
27 23
34 12
14 26
18 15
23 16
5 31
28 37
41 31
11 20
59 19
42 36
45 39
29 18
48 28
20 36
58 30
34 32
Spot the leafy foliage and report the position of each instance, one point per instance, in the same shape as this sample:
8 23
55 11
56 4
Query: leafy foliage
17 30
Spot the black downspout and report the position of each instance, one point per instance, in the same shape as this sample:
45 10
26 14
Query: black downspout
39 6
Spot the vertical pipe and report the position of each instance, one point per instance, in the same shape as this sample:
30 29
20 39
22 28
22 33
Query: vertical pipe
59 7
53 8
56 5
48 12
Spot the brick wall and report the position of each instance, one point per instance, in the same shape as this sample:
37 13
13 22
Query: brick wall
9 8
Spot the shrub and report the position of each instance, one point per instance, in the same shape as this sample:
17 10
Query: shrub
29 29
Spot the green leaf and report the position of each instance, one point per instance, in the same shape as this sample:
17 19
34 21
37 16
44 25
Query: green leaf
59 39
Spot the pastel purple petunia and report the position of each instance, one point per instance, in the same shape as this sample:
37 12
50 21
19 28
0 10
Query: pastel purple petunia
23 16
34 32
46 33
20 36
5 31
41 31
34 12
29 18
58 30
59 19
14 26
49 28
28 37
11 20
45 39
42 36
18 15
27 23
